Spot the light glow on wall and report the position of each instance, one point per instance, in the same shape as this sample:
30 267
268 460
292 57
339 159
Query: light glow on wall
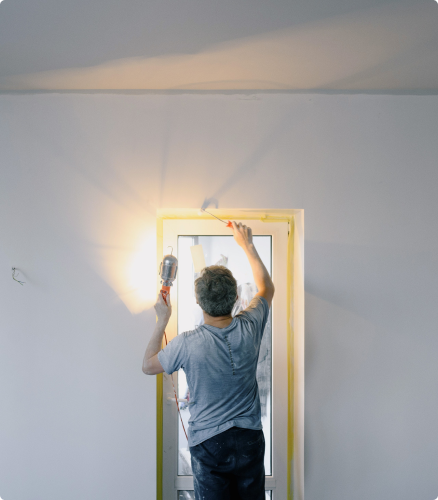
130 268
142 275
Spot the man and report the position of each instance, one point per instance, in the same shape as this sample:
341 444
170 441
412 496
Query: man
219 359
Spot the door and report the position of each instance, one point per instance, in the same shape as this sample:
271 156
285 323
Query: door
219 247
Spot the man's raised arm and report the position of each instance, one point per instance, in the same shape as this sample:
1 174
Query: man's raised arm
151 363
243 237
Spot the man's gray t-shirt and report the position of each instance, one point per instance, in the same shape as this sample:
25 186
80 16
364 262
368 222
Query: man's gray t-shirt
220 366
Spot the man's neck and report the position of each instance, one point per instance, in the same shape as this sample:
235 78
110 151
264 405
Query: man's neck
217 321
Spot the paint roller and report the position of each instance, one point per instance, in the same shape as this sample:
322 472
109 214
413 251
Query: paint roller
228 224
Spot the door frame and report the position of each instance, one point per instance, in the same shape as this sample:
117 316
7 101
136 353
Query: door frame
295 333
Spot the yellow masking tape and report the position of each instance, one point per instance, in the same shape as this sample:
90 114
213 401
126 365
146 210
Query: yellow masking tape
159 381
254 215
290 357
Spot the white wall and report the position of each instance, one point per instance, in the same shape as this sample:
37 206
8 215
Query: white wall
81 178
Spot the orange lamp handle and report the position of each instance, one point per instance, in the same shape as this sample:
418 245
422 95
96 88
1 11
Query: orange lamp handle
165 290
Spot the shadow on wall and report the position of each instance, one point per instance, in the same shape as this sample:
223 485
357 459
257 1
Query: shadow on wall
107 175
105 214
386 46
107 167
361 280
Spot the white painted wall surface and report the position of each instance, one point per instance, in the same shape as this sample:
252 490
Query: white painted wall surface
81 178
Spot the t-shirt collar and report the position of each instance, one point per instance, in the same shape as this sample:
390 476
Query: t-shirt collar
215 329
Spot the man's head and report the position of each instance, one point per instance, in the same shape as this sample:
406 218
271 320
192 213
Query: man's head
216 290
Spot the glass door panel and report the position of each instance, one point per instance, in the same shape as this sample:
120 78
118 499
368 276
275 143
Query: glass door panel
222 250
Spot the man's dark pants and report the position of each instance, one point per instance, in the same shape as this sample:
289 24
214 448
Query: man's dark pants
230 466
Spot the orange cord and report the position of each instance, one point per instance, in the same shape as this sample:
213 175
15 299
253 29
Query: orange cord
165 290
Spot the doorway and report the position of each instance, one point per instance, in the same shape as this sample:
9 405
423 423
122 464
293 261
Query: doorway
273 239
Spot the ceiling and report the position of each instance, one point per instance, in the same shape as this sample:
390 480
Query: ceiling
281 45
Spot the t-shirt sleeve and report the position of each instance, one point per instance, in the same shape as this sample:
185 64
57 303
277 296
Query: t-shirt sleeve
257 313
172 357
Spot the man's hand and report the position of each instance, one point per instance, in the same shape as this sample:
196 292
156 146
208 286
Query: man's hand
242 235
162 310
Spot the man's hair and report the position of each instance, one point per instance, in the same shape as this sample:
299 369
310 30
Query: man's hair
216 290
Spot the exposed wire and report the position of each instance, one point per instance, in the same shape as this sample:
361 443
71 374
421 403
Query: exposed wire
14 278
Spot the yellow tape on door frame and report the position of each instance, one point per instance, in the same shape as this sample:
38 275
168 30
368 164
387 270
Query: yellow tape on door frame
239 214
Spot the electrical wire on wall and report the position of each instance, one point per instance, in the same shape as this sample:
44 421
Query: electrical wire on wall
14 276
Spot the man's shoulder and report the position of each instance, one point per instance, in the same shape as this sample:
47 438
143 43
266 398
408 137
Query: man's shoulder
191 333
258 303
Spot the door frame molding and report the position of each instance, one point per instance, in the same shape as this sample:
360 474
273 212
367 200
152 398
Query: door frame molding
295 333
